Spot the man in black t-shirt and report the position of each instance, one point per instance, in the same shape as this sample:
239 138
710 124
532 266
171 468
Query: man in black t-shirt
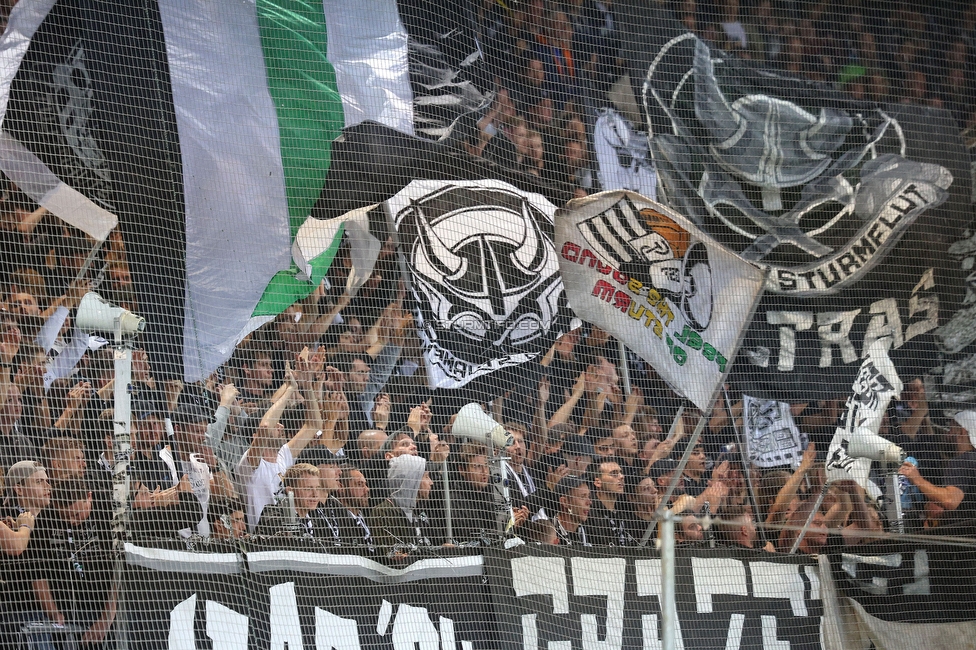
72 579
607 523
572 511
958 496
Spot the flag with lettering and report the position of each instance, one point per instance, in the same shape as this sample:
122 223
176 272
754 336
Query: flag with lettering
647 275
850 204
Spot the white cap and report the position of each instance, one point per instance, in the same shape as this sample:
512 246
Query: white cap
967 420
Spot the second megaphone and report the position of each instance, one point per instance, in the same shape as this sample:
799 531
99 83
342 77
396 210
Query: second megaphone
475 424
95 314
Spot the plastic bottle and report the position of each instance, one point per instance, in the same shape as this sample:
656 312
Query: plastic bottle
907 491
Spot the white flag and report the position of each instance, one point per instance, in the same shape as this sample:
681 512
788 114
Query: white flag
647 275
856 441
772 437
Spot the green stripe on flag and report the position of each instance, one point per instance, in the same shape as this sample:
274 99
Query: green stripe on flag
303 88
286 287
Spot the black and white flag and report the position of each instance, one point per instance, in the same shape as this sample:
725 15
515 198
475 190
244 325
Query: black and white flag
622 155
483 271
856 441
772 436
851 205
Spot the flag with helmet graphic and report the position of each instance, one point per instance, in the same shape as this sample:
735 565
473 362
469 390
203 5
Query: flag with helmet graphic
481 264
647 275
850 204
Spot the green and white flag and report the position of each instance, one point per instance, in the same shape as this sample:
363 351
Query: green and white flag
206 127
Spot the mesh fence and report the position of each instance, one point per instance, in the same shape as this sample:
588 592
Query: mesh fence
406 323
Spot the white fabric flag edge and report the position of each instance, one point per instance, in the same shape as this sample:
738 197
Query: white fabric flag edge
223 111
368 51
37 181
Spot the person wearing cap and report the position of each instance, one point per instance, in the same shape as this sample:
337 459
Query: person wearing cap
28 489
577 452
198 462
572 511
227 519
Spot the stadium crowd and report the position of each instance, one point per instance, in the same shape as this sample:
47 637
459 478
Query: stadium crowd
554 65
321 427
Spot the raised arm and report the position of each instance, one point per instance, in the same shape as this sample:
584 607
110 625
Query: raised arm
322 324
566 410
786 494
634 401
949 497
217 428
268 423
71 417
540 439
306 377
13 542
9 346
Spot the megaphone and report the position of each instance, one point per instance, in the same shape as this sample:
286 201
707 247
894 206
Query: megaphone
95 314
473 423
864 443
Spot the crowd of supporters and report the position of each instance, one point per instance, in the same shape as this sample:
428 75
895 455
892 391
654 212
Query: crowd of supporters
321 427
553 65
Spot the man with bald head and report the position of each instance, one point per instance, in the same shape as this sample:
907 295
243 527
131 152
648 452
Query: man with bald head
369 442
626 452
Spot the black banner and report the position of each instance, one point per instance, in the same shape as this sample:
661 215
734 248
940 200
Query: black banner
267 597
852 205
252 597
555 597
900 582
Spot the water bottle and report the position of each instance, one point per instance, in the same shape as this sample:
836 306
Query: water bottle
907 491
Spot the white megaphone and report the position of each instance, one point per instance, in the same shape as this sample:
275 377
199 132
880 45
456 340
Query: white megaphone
864 443
95 314
473 423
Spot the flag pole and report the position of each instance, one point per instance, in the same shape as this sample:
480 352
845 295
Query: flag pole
89 259
706 413
449 524
674 425
813 513
624 368
669 605
746 466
